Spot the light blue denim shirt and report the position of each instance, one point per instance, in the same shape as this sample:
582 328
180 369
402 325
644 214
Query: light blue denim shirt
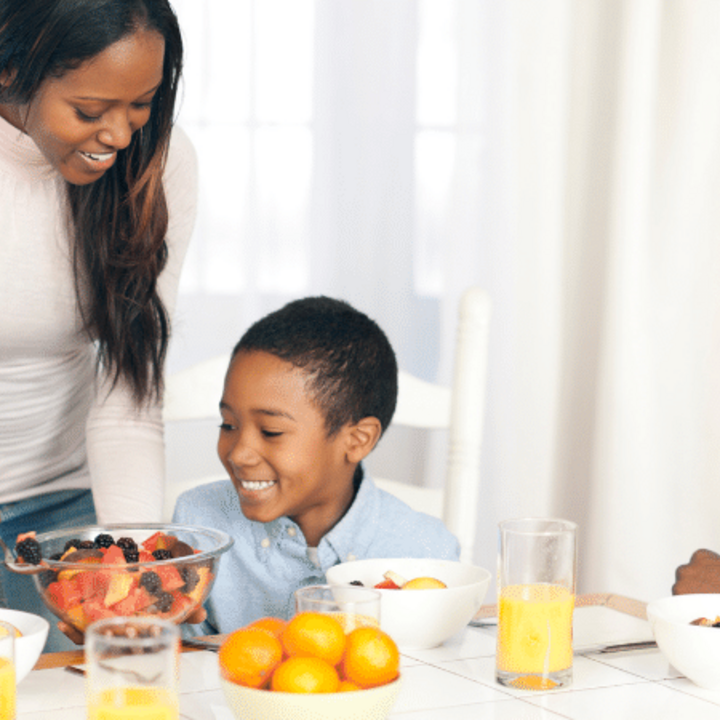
269 561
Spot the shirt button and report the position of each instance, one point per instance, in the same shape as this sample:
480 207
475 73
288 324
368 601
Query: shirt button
351 557
292 532
265 542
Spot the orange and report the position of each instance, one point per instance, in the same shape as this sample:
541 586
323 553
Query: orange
301 674
347 686
371 658
249 655
424 583
271 624
315 634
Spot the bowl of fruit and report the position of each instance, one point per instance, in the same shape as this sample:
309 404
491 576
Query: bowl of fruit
88 573
687 631
312 666
424 601
30 633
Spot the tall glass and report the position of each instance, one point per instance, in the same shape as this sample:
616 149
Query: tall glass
132 669
354 606
7 671
536 593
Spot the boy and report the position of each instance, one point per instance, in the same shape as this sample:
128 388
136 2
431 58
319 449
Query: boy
309 391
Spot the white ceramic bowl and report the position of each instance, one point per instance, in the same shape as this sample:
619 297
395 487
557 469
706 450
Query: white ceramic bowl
251 704
420 618
34 631
692 650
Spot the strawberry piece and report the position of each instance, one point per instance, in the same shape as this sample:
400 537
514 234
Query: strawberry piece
387 585
114 555
64 593
151 543
170 578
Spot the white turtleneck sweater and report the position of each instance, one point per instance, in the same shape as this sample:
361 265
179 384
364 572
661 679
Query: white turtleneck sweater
59 429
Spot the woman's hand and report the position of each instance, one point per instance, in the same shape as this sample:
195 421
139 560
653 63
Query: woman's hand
700 575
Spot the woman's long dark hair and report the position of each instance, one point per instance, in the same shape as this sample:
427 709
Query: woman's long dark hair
120 221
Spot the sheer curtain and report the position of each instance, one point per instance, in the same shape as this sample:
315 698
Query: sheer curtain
566 156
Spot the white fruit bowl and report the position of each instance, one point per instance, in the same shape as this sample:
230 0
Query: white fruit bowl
420 619
692 650
253 704
30 645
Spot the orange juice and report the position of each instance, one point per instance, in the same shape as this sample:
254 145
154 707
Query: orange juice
7 689
133 703
535 629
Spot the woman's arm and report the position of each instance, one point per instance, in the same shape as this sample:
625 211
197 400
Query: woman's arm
125 446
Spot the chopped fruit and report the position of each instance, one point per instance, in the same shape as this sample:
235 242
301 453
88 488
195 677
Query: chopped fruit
63 594
199 590
119 588
114 556
111 588
28 550
424 583
387 585
103 540
170 577
162 554
151 582
151 543
181 549
399 580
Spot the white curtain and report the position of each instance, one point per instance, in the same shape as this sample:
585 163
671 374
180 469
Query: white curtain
564 155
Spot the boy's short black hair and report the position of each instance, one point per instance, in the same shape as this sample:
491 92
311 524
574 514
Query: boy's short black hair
349 360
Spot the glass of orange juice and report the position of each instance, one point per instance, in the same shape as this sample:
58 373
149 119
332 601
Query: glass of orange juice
132 669
353 605
536 596
7 671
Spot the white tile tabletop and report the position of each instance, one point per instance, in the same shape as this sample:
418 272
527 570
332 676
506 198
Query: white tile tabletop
456 682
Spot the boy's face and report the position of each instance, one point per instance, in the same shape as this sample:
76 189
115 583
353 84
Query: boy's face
274 445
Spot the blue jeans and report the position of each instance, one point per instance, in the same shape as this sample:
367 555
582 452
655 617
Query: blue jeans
52 511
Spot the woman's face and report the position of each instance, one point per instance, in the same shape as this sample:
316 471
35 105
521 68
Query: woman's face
81 120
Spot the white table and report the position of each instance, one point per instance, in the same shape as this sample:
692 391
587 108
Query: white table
456 682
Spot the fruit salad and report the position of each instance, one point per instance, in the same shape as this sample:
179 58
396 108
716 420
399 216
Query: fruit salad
106 577
394 581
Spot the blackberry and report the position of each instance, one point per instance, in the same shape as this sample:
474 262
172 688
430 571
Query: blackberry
72 544
85 545
162 554
127 543
151 582
164 601
29 551
356 582
191 577
103 540
131 555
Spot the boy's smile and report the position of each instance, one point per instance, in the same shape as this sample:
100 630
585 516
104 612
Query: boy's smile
274 445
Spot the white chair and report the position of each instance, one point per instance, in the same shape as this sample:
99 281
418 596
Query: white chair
194 394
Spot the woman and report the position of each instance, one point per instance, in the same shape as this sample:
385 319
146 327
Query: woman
97 203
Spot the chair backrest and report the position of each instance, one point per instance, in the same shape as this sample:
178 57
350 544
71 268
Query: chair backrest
194 393
460 408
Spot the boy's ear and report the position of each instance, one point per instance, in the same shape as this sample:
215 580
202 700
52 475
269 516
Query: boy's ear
362 438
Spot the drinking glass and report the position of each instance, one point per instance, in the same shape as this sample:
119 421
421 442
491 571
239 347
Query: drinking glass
132 669
7 671
536 594
352 605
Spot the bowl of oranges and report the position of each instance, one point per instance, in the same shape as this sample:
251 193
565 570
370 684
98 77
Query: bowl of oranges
315 665
424 601
30 632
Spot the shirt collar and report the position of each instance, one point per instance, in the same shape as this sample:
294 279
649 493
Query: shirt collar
351 537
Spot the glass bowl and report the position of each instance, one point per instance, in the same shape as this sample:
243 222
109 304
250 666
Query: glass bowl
89 584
